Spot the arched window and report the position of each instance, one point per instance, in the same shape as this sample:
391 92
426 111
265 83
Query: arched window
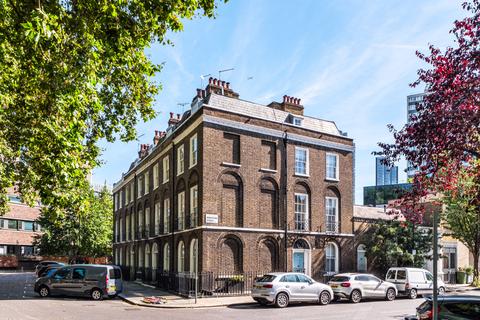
141 261
132 225
166 257
156 213
361 258
154 256
181 257
194 255
193 199
232 200
147 256
147 220
331 258
127 226
302 207
154 261
140 223
132 256
120 229
166 215
332 210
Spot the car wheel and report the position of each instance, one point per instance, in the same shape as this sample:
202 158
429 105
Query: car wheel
441 291
324 298
282 300
44 292
390 296
413 294
355 296
96 294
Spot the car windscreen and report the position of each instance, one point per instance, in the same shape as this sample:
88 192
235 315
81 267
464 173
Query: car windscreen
340 279
266 278
50 272
115 273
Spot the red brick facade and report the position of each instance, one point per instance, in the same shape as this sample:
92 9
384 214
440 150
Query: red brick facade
246 187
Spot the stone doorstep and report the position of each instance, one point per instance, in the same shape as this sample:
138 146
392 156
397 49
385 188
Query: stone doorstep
190 303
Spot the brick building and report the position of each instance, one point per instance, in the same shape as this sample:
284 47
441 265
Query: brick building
17 232
235 186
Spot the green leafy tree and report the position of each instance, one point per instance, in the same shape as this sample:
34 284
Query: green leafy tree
74 72
390 244
83 230
462 211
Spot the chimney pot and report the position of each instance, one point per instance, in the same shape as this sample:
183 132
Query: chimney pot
299 101
223 84
178 116
171 115
296 101
285 98
210 80
199 93
228 85
215 81
203 94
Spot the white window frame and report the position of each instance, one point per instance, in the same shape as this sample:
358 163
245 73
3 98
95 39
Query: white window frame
115 202
127 227
120 199
166 257
127 194
181 210
155 176
132 191
336 228
193 206
166 169
307 162
146 177
156 210
306 213
120 229
139 186
193 147
181 256
147 220
335 247
166 215
299 119
180 159
193 255
337 169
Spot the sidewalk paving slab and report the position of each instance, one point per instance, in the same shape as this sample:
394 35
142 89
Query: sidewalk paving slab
134 292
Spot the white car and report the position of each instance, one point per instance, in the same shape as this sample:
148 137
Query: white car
357 286
281 288
412 282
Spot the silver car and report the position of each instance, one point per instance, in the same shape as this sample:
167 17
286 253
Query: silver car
281 288
357 286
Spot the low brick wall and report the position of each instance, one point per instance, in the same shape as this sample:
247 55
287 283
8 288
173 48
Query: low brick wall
8 262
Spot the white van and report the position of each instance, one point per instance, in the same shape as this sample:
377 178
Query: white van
412 282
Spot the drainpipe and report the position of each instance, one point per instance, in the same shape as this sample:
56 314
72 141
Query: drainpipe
284 179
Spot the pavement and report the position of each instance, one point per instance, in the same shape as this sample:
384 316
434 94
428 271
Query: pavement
134 292
19 302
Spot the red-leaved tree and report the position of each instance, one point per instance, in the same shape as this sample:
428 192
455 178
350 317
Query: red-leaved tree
444 136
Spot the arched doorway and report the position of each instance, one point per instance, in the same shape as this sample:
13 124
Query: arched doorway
181 257
362 258
301 257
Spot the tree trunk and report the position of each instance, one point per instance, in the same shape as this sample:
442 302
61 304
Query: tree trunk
475 267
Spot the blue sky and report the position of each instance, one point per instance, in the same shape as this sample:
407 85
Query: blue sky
349 61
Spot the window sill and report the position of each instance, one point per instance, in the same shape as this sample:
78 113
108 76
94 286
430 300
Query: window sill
268 170
164 181
232 165
301 175
192 165
332 180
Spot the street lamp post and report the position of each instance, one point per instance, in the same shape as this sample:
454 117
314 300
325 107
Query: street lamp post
435 267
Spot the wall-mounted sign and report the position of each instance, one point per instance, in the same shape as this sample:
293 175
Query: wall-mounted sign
211 218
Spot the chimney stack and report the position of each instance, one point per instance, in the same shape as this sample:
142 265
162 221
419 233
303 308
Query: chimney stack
143 151
289 104
173 120
219 87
